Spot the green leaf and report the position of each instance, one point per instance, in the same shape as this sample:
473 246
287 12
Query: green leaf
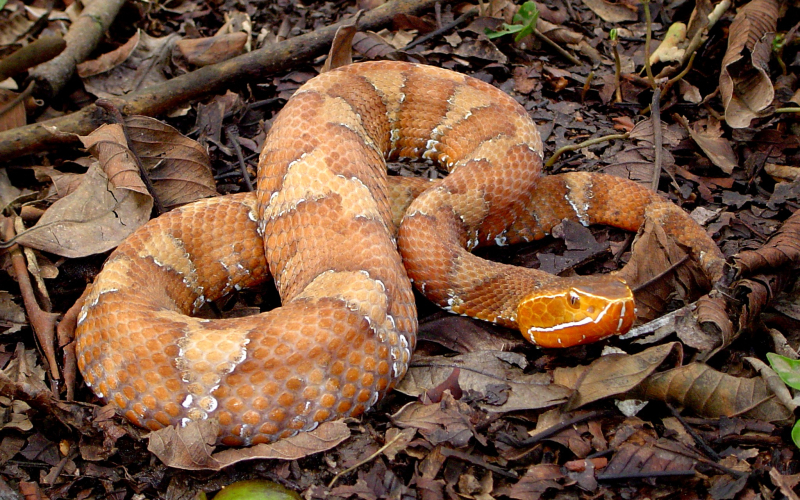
527 16
3 4
507 30
525 22
788 370
796 434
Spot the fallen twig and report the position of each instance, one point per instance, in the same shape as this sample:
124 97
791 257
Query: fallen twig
42 322
41 50
81 39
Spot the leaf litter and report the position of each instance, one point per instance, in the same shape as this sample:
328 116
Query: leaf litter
475 394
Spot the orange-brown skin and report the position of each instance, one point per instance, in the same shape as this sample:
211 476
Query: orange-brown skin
347 327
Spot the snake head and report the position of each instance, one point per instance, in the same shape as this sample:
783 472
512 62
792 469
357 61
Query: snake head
576 311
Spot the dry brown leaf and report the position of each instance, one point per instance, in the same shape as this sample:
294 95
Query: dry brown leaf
611 12
64 183
744 83
498 376
634 458
462 335
710 393
213 49
191 447
372 46
781 251
110 59
712 328
443 422
716 147
341 51
178 166
143 68
612 374
109 146
537 480
14 117
94 218
655 254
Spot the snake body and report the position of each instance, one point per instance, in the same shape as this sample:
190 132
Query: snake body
324 227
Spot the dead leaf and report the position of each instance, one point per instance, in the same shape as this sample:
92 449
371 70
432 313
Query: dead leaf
744 83
214 49
108 144
657 254
612 374
498 376
372 46
14 117
611 12
109 60
341 51
635 459
537 480
782 250
710 393
94 218
178 166
143 68
716 147
443 422
190 447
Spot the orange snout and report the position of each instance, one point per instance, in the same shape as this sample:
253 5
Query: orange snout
576 311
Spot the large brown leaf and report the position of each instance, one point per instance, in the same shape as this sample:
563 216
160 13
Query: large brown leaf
744 82
711 393
178 166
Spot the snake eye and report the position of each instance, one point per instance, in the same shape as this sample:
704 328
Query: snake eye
574 299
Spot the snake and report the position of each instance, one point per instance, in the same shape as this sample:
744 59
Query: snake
345 245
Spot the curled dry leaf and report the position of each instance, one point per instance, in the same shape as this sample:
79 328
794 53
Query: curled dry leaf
710 393
716 147
178 166
142 68
612 374
744 83
444 422
612 12
781 251
655 254
713 321
214 49
94 218
191 447
498 376
110 59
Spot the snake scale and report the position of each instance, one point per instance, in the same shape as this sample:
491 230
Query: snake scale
323 225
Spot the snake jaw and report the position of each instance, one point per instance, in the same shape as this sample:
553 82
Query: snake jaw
579 311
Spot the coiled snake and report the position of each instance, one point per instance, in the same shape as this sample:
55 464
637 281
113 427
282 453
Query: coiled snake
347 327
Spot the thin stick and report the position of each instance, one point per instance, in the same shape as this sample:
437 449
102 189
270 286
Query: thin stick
444 29
648 36
658 140
591 142
574 60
